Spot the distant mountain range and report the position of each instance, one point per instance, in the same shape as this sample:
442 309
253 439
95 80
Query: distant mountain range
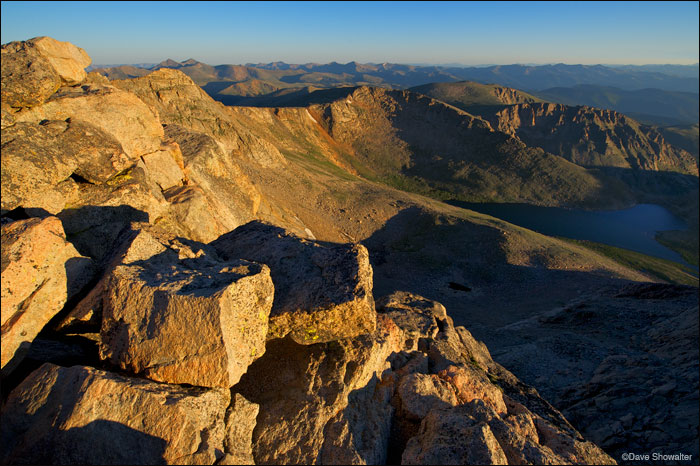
652 106
529 78
688 71
654 94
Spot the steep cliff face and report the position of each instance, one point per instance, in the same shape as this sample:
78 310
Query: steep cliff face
400 137
587 136
592 137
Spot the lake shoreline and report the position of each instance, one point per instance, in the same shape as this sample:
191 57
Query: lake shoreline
633 228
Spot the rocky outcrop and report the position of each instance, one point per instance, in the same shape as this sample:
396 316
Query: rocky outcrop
592 137
323 294
120 114
366 401
473 411
39 160
40 271
178 100
216 144
192 319
418 317
35 69
303 391
211 167
83 415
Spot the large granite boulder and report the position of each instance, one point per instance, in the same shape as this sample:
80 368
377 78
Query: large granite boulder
312 399
68 60
38 158
118 113
33 70
192 215
322 292
135 244
81 415
40 271
190 319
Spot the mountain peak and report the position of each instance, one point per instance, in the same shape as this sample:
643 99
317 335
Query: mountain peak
169 63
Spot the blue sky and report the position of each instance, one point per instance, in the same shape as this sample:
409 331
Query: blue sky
467 33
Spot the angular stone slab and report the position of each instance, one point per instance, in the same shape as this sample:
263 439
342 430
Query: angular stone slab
240 422
454 436
190 211
33 70
322 293
40 271
195 320
118 113
37 158
81 415
68 60
163 168
28 78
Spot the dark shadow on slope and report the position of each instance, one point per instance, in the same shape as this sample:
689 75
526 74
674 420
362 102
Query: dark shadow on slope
93 230
287 97
422 252
98 442
555 329
49 347
647 184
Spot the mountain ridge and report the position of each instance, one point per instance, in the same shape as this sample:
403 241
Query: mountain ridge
528 78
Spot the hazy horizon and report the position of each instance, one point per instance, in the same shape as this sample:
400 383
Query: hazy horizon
429 33
445 65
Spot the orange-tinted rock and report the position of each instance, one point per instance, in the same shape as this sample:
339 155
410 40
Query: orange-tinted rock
81 415
40 271
66 59
471 384
120 114
197 320
322 293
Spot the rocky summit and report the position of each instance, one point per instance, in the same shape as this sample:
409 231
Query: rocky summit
189 283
